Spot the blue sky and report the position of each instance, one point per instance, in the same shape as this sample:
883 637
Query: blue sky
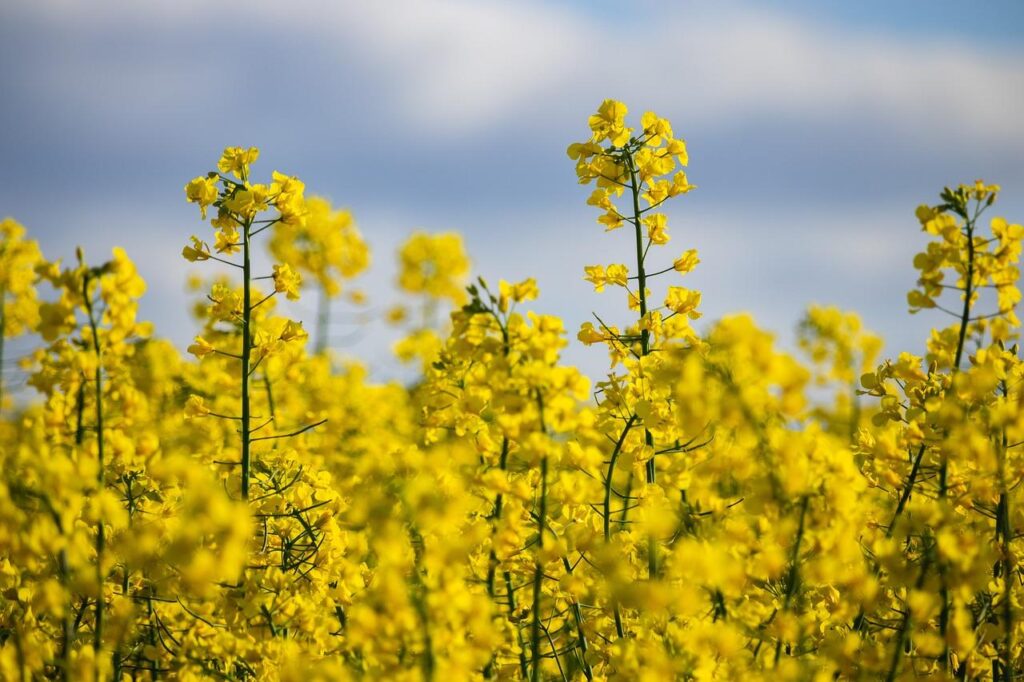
814 130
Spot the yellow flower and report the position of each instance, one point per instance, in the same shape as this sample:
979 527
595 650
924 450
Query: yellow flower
228 240
287 281
655 128
617 274
600 276
289 200
198 251
609 123
293 331
201 347
687 262
683 301
195 406
680 184
236 161
249 201
982 192
656 224
435 265
588 335
611 221
318 241
55 319
595 274
521 291
203 191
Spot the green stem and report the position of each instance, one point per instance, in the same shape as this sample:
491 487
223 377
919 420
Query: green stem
624 517
965 317
619 630
499 503
503 463
854 412
246 353
420 603
499 507
270 393
641 274
581 635
902 632
1005 532
65 624
577 614
608 478
645 341
538 573
492 557
63 574
907 489
101 465
511 593
968 293
80 413
793 577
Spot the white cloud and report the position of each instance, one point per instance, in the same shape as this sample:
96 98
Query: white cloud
447 67
453 66
743 62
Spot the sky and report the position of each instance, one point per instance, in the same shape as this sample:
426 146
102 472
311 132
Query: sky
814 130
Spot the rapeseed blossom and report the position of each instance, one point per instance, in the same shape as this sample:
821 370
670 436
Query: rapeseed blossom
712 508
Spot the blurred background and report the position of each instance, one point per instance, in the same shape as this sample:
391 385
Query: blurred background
814 131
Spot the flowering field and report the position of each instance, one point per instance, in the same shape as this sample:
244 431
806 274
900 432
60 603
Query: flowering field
713 507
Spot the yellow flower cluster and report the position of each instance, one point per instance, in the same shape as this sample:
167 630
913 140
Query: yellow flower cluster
433 268
19 307
327 248
435 265
714 508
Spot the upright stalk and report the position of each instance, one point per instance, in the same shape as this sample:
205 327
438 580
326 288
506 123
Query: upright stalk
645 341
499 499
965 318
904 627
246 353
492 561
608 479
100 473
538 573
1004 534
499 503
619 629
428 661
268 388
510 593
793 577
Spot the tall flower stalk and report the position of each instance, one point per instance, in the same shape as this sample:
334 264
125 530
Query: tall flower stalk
239 205
639 167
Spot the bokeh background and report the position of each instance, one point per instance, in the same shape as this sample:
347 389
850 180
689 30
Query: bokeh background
814 131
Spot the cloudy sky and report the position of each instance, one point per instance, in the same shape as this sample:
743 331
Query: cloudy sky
814 130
